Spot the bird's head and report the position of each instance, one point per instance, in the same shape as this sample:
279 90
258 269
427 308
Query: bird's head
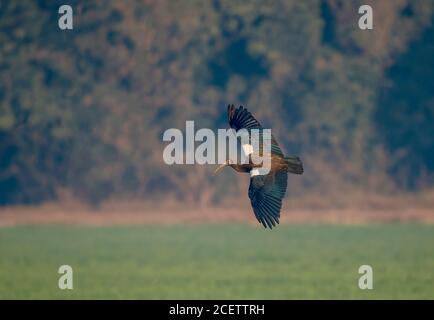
227 163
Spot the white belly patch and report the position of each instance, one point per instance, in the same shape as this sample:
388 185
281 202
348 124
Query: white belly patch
254 172
262 171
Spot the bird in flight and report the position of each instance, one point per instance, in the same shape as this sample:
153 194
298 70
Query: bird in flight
266 191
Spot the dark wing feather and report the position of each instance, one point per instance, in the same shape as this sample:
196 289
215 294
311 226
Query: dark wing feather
266 193
241 118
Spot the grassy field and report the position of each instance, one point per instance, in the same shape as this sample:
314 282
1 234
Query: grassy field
217 261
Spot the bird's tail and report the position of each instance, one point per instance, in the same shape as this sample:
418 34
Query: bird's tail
294 165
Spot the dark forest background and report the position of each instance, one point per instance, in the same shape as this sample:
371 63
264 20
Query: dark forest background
82 111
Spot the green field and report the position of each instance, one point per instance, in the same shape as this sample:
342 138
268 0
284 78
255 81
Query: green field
217 261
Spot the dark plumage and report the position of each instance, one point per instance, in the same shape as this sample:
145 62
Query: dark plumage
265 191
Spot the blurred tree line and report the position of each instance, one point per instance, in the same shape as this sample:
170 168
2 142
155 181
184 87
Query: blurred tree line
82 111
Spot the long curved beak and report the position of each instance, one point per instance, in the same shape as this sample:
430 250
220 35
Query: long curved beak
220 167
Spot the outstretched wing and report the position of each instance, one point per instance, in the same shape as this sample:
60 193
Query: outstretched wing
241 118
266 193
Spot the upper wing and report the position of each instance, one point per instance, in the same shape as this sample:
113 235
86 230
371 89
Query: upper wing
266 193
241 118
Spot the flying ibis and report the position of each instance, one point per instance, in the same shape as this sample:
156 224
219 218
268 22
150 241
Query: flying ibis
266 191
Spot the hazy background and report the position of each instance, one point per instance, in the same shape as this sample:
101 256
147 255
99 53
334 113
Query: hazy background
82 111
